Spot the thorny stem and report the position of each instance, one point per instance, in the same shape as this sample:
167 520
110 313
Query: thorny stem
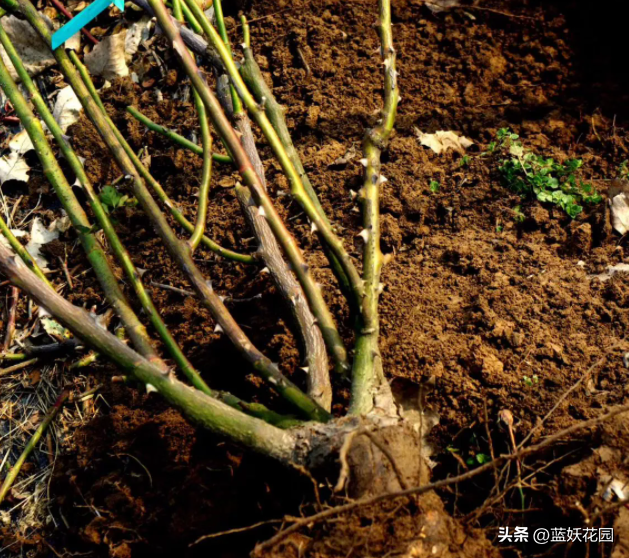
312 209
247 171
188 16
206 175
203 409
250 72
103 219
269 251
246 32
178 250
174 136
93 249
144 173
222 30
367 370
206 142
32 444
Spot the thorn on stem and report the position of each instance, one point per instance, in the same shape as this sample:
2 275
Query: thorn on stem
364 234
261 212
150 388
218 329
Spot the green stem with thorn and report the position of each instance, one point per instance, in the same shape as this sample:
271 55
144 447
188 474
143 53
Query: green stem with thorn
199 407
247 171
367 371
304 198
146 175
178 250
117 247
93 249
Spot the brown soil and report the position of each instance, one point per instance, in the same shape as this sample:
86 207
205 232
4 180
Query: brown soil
473 301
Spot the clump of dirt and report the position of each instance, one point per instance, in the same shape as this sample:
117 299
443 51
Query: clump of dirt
496 313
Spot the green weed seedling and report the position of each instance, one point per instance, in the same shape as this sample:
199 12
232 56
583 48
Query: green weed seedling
530 381
533 176
478 459
112 199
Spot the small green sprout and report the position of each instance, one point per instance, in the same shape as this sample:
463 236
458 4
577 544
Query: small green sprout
112 199
465 161
478 459
434 186
623 170
518 215
530 381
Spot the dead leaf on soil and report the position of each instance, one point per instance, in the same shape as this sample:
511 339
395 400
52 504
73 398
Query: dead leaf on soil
140 31
612 270
41 235
350 154
13 167
441 141
108 57
437 6
33 50
67 108
16 232
619 202
21 143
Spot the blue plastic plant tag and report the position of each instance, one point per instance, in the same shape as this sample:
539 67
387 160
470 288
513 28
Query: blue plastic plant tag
79 21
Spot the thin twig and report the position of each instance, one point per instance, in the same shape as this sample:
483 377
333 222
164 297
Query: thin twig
8 339
233 531
16 367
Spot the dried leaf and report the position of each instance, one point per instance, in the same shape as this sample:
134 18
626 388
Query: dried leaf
40 235
350 154
55 329
21 143
620 212
32 49
13 167
108 57
67 108
619 202
140 31
436 6
612 270
16 232
441 141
